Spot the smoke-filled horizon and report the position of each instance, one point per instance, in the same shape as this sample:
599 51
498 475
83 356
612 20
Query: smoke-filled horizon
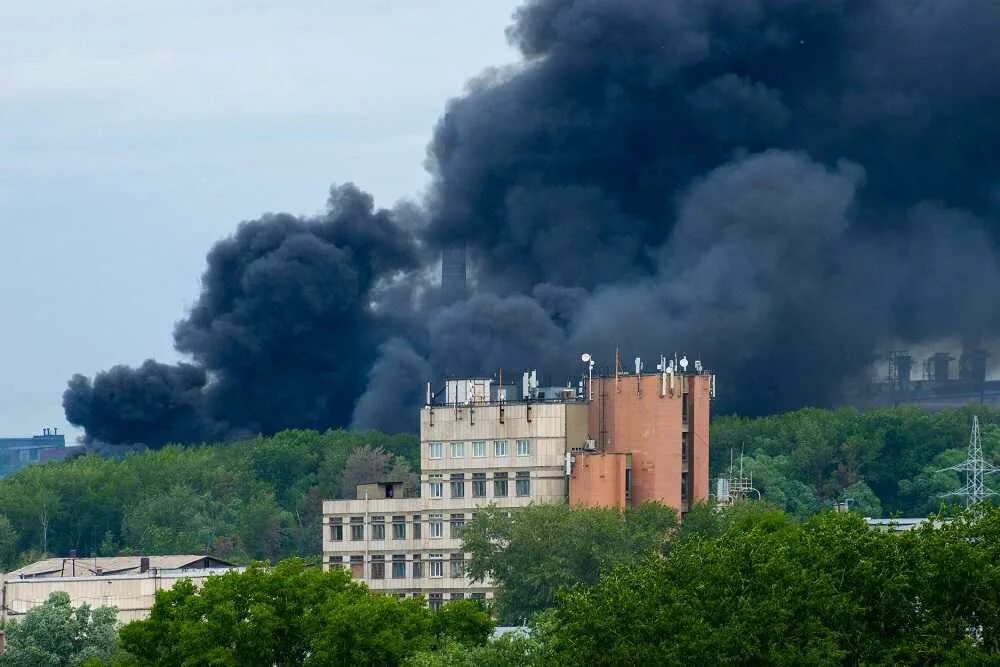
783 189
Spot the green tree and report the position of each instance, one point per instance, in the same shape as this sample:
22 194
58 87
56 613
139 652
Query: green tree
54 634
258 498
863 500
829 591
538 550
373 464
464 621
806 459
289 614
8 543
510 650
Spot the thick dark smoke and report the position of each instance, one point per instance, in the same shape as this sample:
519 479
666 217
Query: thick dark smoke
282 334
154 403
782 188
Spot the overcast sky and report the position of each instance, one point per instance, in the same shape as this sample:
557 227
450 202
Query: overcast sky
133 134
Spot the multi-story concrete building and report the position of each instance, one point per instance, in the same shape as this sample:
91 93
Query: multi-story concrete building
607 442
15 453
650 433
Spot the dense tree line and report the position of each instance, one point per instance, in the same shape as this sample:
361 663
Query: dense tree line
885 460
255 499
751 586
534 553
260 498
291 614
283 615
747 585
829 591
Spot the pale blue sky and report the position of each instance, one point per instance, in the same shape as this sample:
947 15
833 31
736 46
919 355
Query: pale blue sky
133 134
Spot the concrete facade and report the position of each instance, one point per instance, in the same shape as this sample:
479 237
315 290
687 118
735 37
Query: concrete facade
129 583
600 480
662 420
508 454
15 453
623 441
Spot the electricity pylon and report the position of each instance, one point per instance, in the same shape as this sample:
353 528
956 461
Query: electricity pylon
975 468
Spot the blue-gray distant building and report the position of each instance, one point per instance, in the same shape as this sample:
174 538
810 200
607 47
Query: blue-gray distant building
15 453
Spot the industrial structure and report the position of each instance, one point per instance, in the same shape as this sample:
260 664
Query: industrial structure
15 453
128 583
736 485
613 440
935 382
454 273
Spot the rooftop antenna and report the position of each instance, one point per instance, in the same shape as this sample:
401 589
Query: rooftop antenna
589 360
684 364
975 468
618 368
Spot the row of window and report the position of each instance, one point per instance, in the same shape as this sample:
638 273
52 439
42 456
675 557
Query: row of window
398 527
398 566
501 485
456 450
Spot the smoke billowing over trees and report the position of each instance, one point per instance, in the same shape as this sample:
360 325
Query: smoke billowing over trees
784 189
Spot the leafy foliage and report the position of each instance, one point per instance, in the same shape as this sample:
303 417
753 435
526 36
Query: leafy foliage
885 460
8 542
260 498
510 650
533 553
830 591
291 614
56 634
256 499
374 464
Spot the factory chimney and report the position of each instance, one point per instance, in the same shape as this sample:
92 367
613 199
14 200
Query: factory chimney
454 273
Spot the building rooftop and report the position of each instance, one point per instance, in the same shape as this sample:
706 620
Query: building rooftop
525 387
899 525
113 565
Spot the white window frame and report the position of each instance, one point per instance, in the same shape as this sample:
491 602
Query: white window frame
436 483
499 448
435 450
457 450
436 568
527 447
479 449
436 525
520 478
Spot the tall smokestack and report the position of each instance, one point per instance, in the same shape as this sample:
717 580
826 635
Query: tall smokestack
454 273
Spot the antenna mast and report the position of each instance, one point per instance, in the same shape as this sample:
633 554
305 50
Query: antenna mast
975 468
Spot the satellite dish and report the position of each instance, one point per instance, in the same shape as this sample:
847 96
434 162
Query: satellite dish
684 363
584 357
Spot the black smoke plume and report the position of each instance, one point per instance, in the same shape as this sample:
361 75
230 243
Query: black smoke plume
783 188
281 336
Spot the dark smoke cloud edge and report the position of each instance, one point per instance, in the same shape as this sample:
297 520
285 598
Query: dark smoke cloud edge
781 188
